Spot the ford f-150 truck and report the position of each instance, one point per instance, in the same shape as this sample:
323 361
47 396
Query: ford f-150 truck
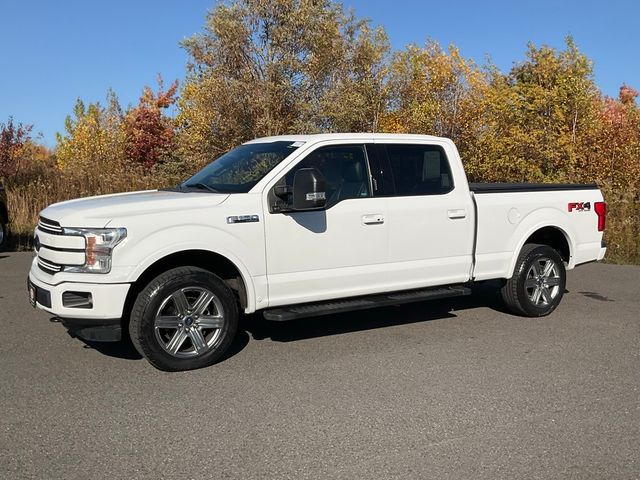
304 225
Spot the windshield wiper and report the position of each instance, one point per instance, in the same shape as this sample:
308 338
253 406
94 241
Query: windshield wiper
202 186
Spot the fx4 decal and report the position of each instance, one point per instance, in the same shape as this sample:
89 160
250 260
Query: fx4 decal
579 206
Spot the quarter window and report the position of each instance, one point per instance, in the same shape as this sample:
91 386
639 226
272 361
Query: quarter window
419 169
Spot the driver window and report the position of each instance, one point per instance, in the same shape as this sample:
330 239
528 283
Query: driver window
344 168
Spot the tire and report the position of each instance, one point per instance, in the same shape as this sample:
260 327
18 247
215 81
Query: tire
4 234
184 319
538 282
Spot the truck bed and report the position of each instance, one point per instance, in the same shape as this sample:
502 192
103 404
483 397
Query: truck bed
507 214
528 187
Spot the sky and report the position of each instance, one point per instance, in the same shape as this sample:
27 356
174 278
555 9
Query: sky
55 51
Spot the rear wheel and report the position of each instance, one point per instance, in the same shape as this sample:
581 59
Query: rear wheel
538 282
184 319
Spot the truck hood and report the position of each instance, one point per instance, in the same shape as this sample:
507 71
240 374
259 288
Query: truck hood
97 212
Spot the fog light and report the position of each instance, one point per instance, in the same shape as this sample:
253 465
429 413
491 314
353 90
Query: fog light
77 300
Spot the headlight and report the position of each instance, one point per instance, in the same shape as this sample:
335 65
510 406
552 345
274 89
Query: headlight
99 245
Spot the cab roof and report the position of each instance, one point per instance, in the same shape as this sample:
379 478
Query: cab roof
319 137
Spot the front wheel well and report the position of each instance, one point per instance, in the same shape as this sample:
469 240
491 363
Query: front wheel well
554 238
207 260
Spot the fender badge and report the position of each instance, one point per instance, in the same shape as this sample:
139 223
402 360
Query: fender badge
579 206
243 219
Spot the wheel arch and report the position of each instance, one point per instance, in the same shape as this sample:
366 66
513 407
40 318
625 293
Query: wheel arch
553 235
238 280
555 238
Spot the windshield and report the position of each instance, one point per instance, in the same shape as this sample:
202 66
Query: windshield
238 170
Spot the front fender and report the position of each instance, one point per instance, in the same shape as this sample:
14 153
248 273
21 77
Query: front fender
144 251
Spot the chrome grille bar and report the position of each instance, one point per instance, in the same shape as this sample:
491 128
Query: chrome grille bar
49 267
49 226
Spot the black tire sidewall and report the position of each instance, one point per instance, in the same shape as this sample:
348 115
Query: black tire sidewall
150 299
5 236
523 268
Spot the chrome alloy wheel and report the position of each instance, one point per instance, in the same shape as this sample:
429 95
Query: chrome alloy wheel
542 283
189 322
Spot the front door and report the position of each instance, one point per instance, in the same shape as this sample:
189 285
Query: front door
339 251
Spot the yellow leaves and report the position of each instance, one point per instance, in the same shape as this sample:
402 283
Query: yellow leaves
107 139
265 68
90 146
434 91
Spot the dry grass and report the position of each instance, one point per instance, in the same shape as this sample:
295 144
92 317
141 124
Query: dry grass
27 196
623 230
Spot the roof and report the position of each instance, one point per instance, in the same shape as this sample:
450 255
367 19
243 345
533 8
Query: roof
346 136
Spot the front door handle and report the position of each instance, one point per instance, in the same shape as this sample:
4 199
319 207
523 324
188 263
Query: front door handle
374 219
459 213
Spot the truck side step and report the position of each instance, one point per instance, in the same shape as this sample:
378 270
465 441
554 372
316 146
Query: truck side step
292 312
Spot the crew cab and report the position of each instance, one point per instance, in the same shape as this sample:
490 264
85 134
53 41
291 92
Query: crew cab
304 225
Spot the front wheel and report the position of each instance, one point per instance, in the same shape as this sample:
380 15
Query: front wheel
4 234
538 282
184 319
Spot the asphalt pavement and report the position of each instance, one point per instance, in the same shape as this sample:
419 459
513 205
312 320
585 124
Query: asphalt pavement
452 389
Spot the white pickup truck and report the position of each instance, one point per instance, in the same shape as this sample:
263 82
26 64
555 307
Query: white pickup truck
304 225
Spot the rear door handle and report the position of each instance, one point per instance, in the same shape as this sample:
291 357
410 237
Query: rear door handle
373 219
459 213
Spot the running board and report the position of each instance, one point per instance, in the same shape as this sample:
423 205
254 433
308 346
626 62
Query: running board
293 312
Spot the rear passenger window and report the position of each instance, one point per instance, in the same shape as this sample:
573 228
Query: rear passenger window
419 169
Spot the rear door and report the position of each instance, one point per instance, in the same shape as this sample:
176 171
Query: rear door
430 215
339 251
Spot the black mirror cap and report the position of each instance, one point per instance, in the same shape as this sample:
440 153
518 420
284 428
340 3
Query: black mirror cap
309 189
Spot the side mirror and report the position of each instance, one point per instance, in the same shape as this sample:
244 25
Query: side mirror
309 189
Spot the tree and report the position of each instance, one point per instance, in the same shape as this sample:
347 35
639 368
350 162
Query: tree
435 92
149 134
94 138
13 141
358 96
269 67
537 118
612 154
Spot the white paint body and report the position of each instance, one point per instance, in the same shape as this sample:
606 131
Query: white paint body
358 246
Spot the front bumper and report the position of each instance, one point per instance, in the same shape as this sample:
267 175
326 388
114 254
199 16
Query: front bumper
107 299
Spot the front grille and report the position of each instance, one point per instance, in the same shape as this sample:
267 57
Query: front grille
49 226
56 248
49 267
